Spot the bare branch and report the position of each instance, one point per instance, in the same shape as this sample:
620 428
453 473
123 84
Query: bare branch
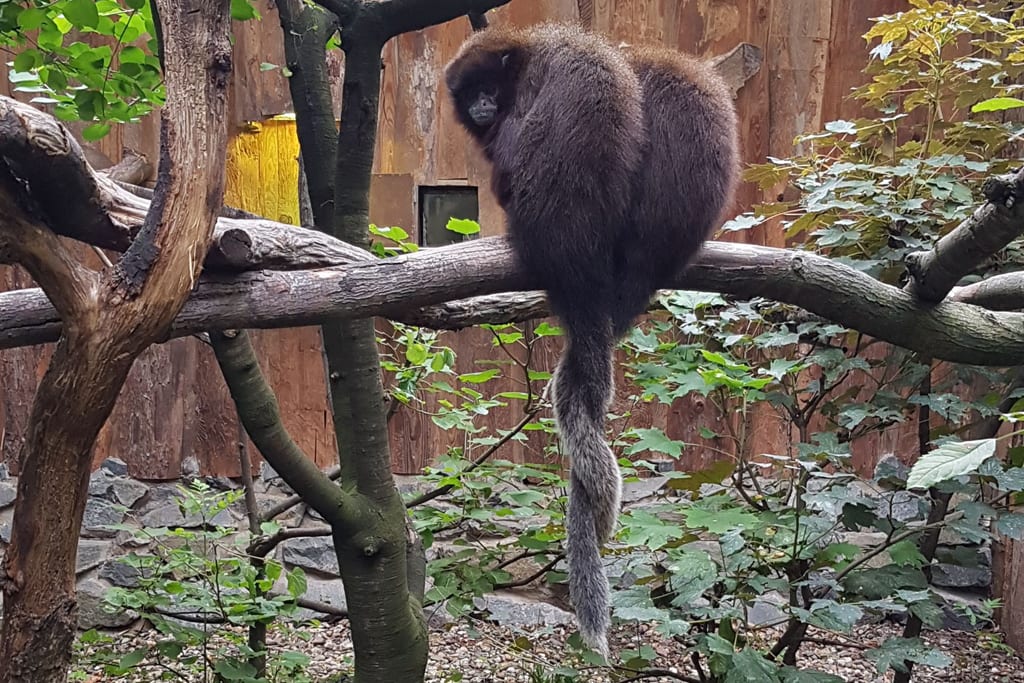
998 293
990 228
395 286
344 10
402 16
258 410
67 283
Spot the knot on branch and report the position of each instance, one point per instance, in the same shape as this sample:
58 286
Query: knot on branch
1004 190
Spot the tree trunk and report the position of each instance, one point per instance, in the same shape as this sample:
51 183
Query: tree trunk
388 630
108 321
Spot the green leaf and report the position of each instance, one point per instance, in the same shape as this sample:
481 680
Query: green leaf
997 104
463 226
881 582
242 10
1011 479
641 528
82 13
831 615
895 651
654 440
96 131
28 60
750 666
949 461
791 675
841 127
479 377
692 573
31 19
837 554
133 658
719 521
906 553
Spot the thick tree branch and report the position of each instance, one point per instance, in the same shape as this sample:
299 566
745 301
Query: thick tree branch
1003 292
258 409
344 10
67 283
402 16
990 228
401 285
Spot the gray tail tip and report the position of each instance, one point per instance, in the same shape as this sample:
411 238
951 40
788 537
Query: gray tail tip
596 639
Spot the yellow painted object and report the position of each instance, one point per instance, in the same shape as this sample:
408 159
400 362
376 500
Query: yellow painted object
263 170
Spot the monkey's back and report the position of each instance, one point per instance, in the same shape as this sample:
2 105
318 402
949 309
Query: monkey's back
690 169
565 161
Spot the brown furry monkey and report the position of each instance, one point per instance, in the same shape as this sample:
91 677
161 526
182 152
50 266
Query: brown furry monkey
613 166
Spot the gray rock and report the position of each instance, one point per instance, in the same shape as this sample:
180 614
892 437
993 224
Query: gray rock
128 492
902 506
5 472
954 576
891 470
956 605
115 466
267 472
90 554
91 608
222 483
517 609
161 509
312 554
120 574
963 567
327 591
189 468
634 491
100 515
867 540
8 492
166 515
767 609
100 483
5 532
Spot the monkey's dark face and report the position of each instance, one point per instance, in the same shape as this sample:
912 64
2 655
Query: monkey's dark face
482 87
483 109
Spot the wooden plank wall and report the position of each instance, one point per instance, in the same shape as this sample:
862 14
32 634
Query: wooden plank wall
174 411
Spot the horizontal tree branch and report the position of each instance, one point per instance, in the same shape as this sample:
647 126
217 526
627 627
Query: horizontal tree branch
403 16
403 285
1003 292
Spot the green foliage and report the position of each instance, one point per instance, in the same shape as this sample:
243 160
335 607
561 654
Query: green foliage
773 528
92 60
872 190
197 587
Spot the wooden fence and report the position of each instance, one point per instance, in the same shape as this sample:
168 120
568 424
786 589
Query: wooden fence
174 411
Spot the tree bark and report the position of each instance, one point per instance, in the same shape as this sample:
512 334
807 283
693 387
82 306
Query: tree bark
108 321
400 288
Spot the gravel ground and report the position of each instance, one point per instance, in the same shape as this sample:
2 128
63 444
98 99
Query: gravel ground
485 653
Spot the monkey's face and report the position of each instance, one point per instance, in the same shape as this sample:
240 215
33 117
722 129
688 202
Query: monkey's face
483 109
481 84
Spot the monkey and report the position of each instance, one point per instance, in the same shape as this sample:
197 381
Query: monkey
613 165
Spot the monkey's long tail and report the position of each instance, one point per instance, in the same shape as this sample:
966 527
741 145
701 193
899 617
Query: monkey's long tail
583 389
